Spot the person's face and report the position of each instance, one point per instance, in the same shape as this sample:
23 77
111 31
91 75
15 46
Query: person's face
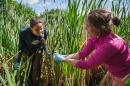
89 29
38 29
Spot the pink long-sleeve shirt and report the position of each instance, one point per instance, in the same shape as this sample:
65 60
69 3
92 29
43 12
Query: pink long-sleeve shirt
110 50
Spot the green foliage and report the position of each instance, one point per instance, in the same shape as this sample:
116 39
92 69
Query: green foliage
66 36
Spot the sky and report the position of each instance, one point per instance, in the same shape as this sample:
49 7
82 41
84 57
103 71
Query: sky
39 6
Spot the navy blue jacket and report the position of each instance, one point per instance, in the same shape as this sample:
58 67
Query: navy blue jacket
29 43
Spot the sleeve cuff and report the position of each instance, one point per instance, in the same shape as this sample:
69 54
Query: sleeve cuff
81 64
80 55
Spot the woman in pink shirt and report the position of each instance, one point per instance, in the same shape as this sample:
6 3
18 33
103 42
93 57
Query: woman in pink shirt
109 48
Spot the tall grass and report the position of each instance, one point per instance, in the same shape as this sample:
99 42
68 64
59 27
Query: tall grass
13 17
121 9
66 36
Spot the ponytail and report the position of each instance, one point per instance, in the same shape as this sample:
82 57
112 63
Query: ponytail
116 21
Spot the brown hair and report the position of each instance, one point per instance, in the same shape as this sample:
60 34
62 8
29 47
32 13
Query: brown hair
35 20
101 20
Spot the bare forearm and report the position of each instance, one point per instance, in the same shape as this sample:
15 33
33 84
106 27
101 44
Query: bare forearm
73 56
71 61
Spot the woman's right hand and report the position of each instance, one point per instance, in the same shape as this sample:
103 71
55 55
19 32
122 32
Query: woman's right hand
58 57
